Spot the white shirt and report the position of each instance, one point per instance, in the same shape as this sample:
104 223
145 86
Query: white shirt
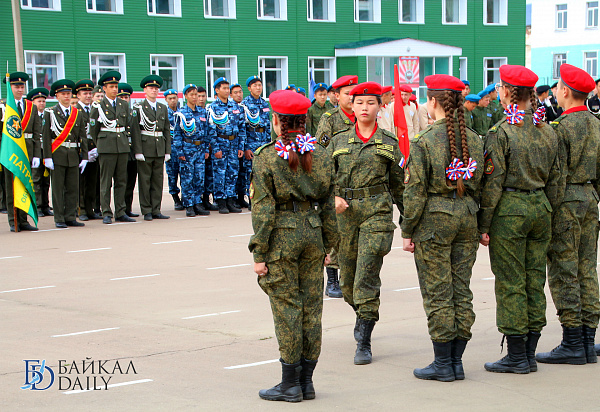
112 102
152 104
64 109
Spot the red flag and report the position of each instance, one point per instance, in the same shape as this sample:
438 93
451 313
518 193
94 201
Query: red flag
399 119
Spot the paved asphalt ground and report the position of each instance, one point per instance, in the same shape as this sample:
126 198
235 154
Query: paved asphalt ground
179 299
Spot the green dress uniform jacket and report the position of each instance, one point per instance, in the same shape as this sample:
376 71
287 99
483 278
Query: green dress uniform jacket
88 180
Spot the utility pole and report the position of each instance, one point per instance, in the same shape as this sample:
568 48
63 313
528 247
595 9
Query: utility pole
16 14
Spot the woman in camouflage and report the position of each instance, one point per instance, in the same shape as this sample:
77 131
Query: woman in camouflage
294 224
442 184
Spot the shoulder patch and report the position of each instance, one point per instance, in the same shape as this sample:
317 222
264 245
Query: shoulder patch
489 167
388 147
134 112
406 175
341 151
260 149
92 122
385 154
554 122
327 114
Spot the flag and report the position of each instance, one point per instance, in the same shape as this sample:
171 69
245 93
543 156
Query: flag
13 157
399 118
311 86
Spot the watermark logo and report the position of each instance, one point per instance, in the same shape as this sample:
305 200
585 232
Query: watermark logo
36 376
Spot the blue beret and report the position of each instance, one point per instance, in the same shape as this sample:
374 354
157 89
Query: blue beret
291 87
188 87
301 90
219 81
483 93
169 92
466 82
490 88
235 85
319 86
252 79
473 98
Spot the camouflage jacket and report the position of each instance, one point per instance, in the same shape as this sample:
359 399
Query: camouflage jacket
315 112
332 123
482 120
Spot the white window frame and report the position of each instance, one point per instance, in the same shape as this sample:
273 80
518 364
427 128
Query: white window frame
284 72
121 69
420 13
332 67
485 68
282 11
56 6
462 18
466 68
503 13
330 12
60 65
210 91
376 12
589 9
556 71
118 7
565 16
176 9
179 69
230 7
586 59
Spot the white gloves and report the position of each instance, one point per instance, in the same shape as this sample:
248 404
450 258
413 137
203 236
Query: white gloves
93 154
140 157
167 157
35 162
82 165
49 163
547 102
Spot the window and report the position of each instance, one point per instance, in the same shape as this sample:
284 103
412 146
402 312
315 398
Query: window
462 68
220 9
101 63
494 12
219 66
272 9
592 15
164 8
170 68
105 6
53 5
561 17
320 10
367 11
381 69
557 60
273 73
44 68
590 63
454 11
410 11
491 69
322 69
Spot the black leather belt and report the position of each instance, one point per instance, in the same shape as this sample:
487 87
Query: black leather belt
295 206
529 192
361 193
225 136
194 142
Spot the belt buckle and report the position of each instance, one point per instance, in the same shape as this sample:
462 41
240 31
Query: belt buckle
346 191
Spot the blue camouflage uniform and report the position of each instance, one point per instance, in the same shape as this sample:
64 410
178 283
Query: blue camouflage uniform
258 131
172 165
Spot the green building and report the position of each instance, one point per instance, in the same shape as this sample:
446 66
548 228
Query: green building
284 41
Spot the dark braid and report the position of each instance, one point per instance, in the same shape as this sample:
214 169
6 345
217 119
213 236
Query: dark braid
285 138
307 158
462 126
446 102
514 99
534 104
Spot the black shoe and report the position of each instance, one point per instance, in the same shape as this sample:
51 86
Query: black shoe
107 220
458 348
232 207
441 367
60 225
3 211
206 203
200 210
190 212
570 350
241 200
74 223
47 211
160 216
125 218
589 336
516 360
363 355
148 217
289 389
95 216
177 202
308 389
530 347
222 207
333 287
131 214
40 213
27 227
84 218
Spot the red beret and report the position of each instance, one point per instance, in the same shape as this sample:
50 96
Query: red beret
345 81
405 88
289 103
386 89
366 89
444 82
413 98
518 76
576 79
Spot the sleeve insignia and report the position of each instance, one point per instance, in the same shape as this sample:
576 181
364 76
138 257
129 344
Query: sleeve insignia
406 175
251 190
92 122
489 167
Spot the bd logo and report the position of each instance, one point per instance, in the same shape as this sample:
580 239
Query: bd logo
13 126
36 376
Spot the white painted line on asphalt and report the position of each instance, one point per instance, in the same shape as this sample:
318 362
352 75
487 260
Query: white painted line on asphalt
84 332
21 290
135 277
172 241
330 298
227 267
247 365
244 213
88 250
50 230
492 278
212 314
403 289
397 247
10 257
112 385
192 217
249 234
124 223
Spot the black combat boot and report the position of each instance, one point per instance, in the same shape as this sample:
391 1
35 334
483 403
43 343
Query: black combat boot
177 201
242 200
333 287
200 210
222 207
206 203
589 336
570 350
597 347
231 206
190 212
363 355
441 367
308 390
516 360
530 347
357 329
458 348
289 389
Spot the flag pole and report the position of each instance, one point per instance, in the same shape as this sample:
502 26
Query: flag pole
15 219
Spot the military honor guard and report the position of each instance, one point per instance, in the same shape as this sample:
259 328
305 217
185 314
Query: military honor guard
593 103
172 166
124 93
543 95
316 110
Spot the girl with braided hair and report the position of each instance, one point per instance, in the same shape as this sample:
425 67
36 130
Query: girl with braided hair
522 186
443 179
293 217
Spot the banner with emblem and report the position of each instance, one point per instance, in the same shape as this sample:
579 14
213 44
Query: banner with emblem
409 70
14 158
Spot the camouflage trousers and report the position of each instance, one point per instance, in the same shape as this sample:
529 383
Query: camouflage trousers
208 175
444 258
191 173
294 284
572 258
226 169
519 239
172 169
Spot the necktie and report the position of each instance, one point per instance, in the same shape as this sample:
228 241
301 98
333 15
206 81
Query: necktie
20 109
67 113
87 109
115 104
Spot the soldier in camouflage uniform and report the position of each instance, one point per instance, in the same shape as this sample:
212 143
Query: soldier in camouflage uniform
443 180
482 118
495 108
172 166
337 120
572 257
522 185
294 225
368 182
320 106
471 102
